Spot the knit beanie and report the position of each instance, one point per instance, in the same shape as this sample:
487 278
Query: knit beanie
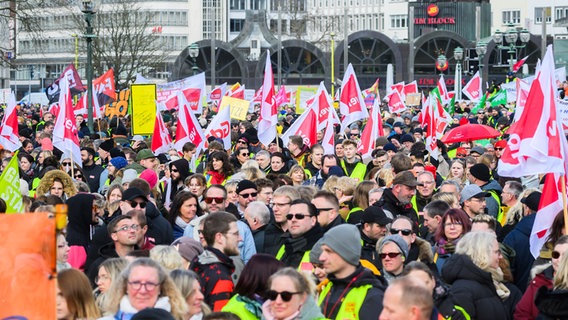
316 251
150 176
399 241
480 171
119 162
345 240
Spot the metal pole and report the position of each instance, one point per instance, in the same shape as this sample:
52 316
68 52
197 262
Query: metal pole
89 37
332 35
30 84
410 43
279 53
213 62
345 40
459 81
543 34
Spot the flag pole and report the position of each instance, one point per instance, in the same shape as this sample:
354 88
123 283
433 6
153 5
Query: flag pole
564 208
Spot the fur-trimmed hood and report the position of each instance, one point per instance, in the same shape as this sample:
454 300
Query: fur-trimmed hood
46 182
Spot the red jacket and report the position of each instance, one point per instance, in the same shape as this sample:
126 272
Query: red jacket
526 309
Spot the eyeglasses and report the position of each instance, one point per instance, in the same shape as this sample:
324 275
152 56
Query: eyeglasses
246 195
134 204
298 216
453 224
78 176
245 154
274 204
66 164
137 285
285 295
174 170
391 255
103 277
218 200
133 227
555 254
405 232
499 149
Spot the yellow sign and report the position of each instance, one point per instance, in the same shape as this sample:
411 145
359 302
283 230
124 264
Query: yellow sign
143 108
239 107
303 94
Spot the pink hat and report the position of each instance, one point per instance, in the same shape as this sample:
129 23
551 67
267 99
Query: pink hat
46 144
150 176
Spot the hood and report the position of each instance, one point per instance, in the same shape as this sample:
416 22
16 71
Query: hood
79 214
108 251
152 211
183 167
365 276
492 185
424 250
460 267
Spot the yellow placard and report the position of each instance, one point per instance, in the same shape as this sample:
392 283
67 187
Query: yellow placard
239 107
302 95
143 102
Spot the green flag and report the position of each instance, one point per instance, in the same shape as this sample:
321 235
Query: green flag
10 186
500 98
480 105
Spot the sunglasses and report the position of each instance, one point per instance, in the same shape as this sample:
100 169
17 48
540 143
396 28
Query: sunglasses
246 195
405 232
174 170
498 149
133 204
66 164
298 216
555 254
78 176
217 200
285 295
391 255
241 141
245 154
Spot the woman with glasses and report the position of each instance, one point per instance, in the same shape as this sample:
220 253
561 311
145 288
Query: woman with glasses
143 284
526 308
185 208
219 169
455 223
250 290
290 296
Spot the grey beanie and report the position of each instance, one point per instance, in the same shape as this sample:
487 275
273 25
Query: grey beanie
345 240
316 251
399 241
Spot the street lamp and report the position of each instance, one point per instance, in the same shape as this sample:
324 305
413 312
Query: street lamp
481 49
332 35
88 10
193 50
510 37
458 55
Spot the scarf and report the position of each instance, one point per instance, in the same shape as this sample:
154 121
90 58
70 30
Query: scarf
497 275
180 223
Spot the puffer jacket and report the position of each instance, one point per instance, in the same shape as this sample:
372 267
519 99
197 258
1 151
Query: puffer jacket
526 309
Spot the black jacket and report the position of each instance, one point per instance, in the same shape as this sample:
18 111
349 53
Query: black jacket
295 248
369 250
473 288
552 304
93 175
337 221
372 304
390 204
272 239
214 269
105 252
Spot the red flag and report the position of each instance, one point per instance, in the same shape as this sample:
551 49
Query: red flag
411 88
397 87
282 97
73 83
519 64
536 142
65 134
396 102
351 103
305 127
373 129
9 127
523 89
472 89
216 95
236 91
188 129
161 140
321 102
268 109
192 87
443 90
220 127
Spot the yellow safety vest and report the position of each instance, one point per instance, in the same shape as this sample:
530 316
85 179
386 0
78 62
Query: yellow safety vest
351 303
305 263
358 172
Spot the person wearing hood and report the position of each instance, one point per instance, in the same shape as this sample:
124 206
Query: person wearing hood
80 227
353 292
179 171
480 175
57 183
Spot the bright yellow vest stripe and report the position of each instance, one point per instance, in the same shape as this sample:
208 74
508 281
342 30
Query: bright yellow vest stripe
351 303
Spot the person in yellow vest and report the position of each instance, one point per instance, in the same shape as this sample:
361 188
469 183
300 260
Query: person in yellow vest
298 150
303 232
351 165
353 292
480 175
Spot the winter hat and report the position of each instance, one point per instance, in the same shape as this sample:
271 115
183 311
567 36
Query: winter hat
153 314
116 152
119 162
46 144
336 171
480 172
245 184
150 176
345 240
129 175
315 253
188 247
390 146
398 240
406 138
501 144
532 200
107 145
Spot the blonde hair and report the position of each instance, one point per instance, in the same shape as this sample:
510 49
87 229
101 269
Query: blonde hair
347 185
561 276
167 256
387 175
478 246
113 267
302 281
448 197
330 184
516 213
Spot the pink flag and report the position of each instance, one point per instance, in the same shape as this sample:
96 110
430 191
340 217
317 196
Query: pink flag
305 127
188 129
220 127
9 135
396 102
473 89
268 109
536 142
373 129
411 88
351 103
65 135
282 97
519 64
161 140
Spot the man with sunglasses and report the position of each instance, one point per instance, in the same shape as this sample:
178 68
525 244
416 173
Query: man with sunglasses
247 192
327 207
303 232
353 292
418 248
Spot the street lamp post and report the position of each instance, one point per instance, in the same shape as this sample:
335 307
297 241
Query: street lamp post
481 49
458 55
193 50
89 12
511 36
332 35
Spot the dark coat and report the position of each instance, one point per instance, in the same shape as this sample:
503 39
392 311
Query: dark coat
272 239
518 240
93 175
526 309
214 269
552 304
473 288
390 204
295 248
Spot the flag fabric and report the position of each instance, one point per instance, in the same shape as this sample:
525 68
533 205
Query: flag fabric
220 127
73 83
236 91
536 142
281 97
373 129
321 102
370 94
444 96
10 186
397 87
411 88
104 92
188 129
305 127
351 102
192 87
480 105
268 109
396 102
216 95
9 135
523 89
161 140
519 64
550 205
500 98
436 119
65 134
473 89
328 141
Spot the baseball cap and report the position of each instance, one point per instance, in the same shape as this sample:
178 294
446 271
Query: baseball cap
374 214
406 178
472 191
132 193
144 154
532 200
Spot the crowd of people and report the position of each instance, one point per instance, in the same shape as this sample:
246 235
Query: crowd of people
290 232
